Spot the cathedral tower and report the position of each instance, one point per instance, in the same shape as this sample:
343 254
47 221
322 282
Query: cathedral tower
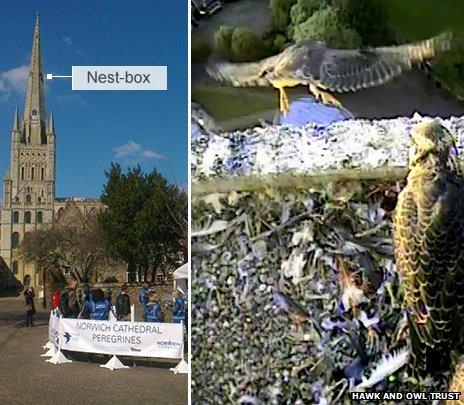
29 187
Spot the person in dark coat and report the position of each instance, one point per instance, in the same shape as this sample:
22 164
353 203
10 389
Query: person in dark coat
85 314
30 307
69 305
109 295
123 305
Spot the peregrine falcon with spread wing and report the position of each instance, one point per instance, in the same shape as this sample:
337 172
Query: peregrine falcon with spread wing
429 239
325 69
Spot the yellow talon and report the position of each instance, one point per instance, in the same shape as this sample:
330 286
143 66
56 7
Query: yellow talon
325 97
283 101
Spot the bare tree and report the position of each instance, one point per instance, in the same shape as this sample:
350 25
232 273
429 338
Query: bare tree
73 244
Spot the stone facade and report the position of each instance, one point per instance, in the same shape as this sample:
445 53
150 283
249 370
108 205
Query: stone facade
29 187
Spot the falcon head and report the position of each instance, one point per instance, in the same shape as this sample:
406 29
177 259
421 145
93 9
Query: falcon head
430 137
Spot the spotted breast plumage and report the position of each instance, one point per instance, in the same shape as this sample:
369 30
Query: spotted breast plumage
326 70
429 239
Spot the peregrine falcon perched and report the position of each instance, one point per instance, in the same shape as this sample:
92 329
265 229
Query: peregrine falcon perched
429 239
324 69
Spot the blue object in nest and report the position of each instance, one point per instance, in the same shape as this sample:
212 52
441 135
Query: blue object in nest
305 110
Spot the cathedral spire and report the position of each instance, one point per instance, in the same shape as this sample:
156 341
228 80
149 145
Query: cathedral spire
34 111
16 121
51 124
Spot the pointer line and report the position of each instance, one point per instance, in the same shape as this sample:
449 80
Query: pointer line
51 76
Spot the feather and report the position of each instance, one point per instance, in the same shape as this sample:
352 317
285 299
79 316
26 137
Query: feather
388 365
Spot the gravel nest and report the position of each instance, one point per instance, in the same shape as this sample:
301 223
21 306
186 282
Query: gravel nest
272 320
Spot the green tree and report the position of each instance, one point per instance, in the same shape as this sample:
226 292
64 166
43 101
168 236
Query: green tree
304 9
246 46
281 13
369 18
142 223
223 41
239 44
324 25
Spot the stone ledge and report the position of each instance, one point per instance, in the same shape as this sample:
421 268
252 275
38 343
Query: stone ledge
288 156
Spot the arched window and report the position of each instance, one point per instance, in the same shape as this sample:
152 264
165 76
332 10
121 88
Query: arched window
28 198
14 240
14 267
39 199
42 173
22 173
15 217
27 217
32 173
39 217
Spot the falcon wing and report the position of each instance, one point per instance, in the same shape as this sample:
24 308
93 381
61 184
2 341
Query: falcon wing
350 70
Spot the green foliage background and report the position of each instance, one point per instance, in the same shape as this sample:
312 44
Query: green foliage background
325 25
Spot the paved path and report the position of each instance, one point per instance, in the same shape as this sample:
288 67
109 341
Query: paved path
254 14
25 378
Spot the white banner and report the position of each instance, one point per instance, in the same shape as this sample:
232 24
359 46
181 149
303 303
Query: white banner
53 331
141 339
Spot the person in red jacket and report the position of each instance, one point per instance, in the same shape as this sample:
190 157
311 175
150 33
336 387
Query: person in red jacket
56 299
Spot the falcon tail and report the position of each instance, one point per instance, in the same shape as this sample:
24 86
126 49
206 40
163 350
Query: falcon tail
427 359
250 74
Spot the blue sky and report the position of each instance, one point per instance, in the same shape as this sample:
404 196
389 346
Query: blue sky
95 128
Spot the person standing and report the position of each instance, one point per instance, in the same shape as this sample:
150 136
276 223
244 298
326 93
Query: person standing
153 309
85 314
109 295
30 307
69 305
143 297
179 308
123 306
98 307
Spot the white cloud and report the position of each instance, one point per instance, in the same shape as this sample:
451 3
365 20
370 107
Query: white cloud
13 81
68 99
134 151
68 41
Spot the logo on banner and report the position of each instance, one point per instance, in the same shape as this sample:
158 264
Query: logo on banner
67 336
169 344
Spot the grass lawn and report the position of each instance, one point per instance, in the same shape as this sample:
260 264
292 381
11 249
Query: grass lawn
419 19
225 103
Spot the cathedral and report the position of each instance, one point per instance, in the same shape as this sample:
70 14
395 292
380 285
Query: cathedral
29 187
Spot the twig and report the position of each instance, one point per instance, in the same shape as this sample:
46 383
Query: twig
278 228
345 385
